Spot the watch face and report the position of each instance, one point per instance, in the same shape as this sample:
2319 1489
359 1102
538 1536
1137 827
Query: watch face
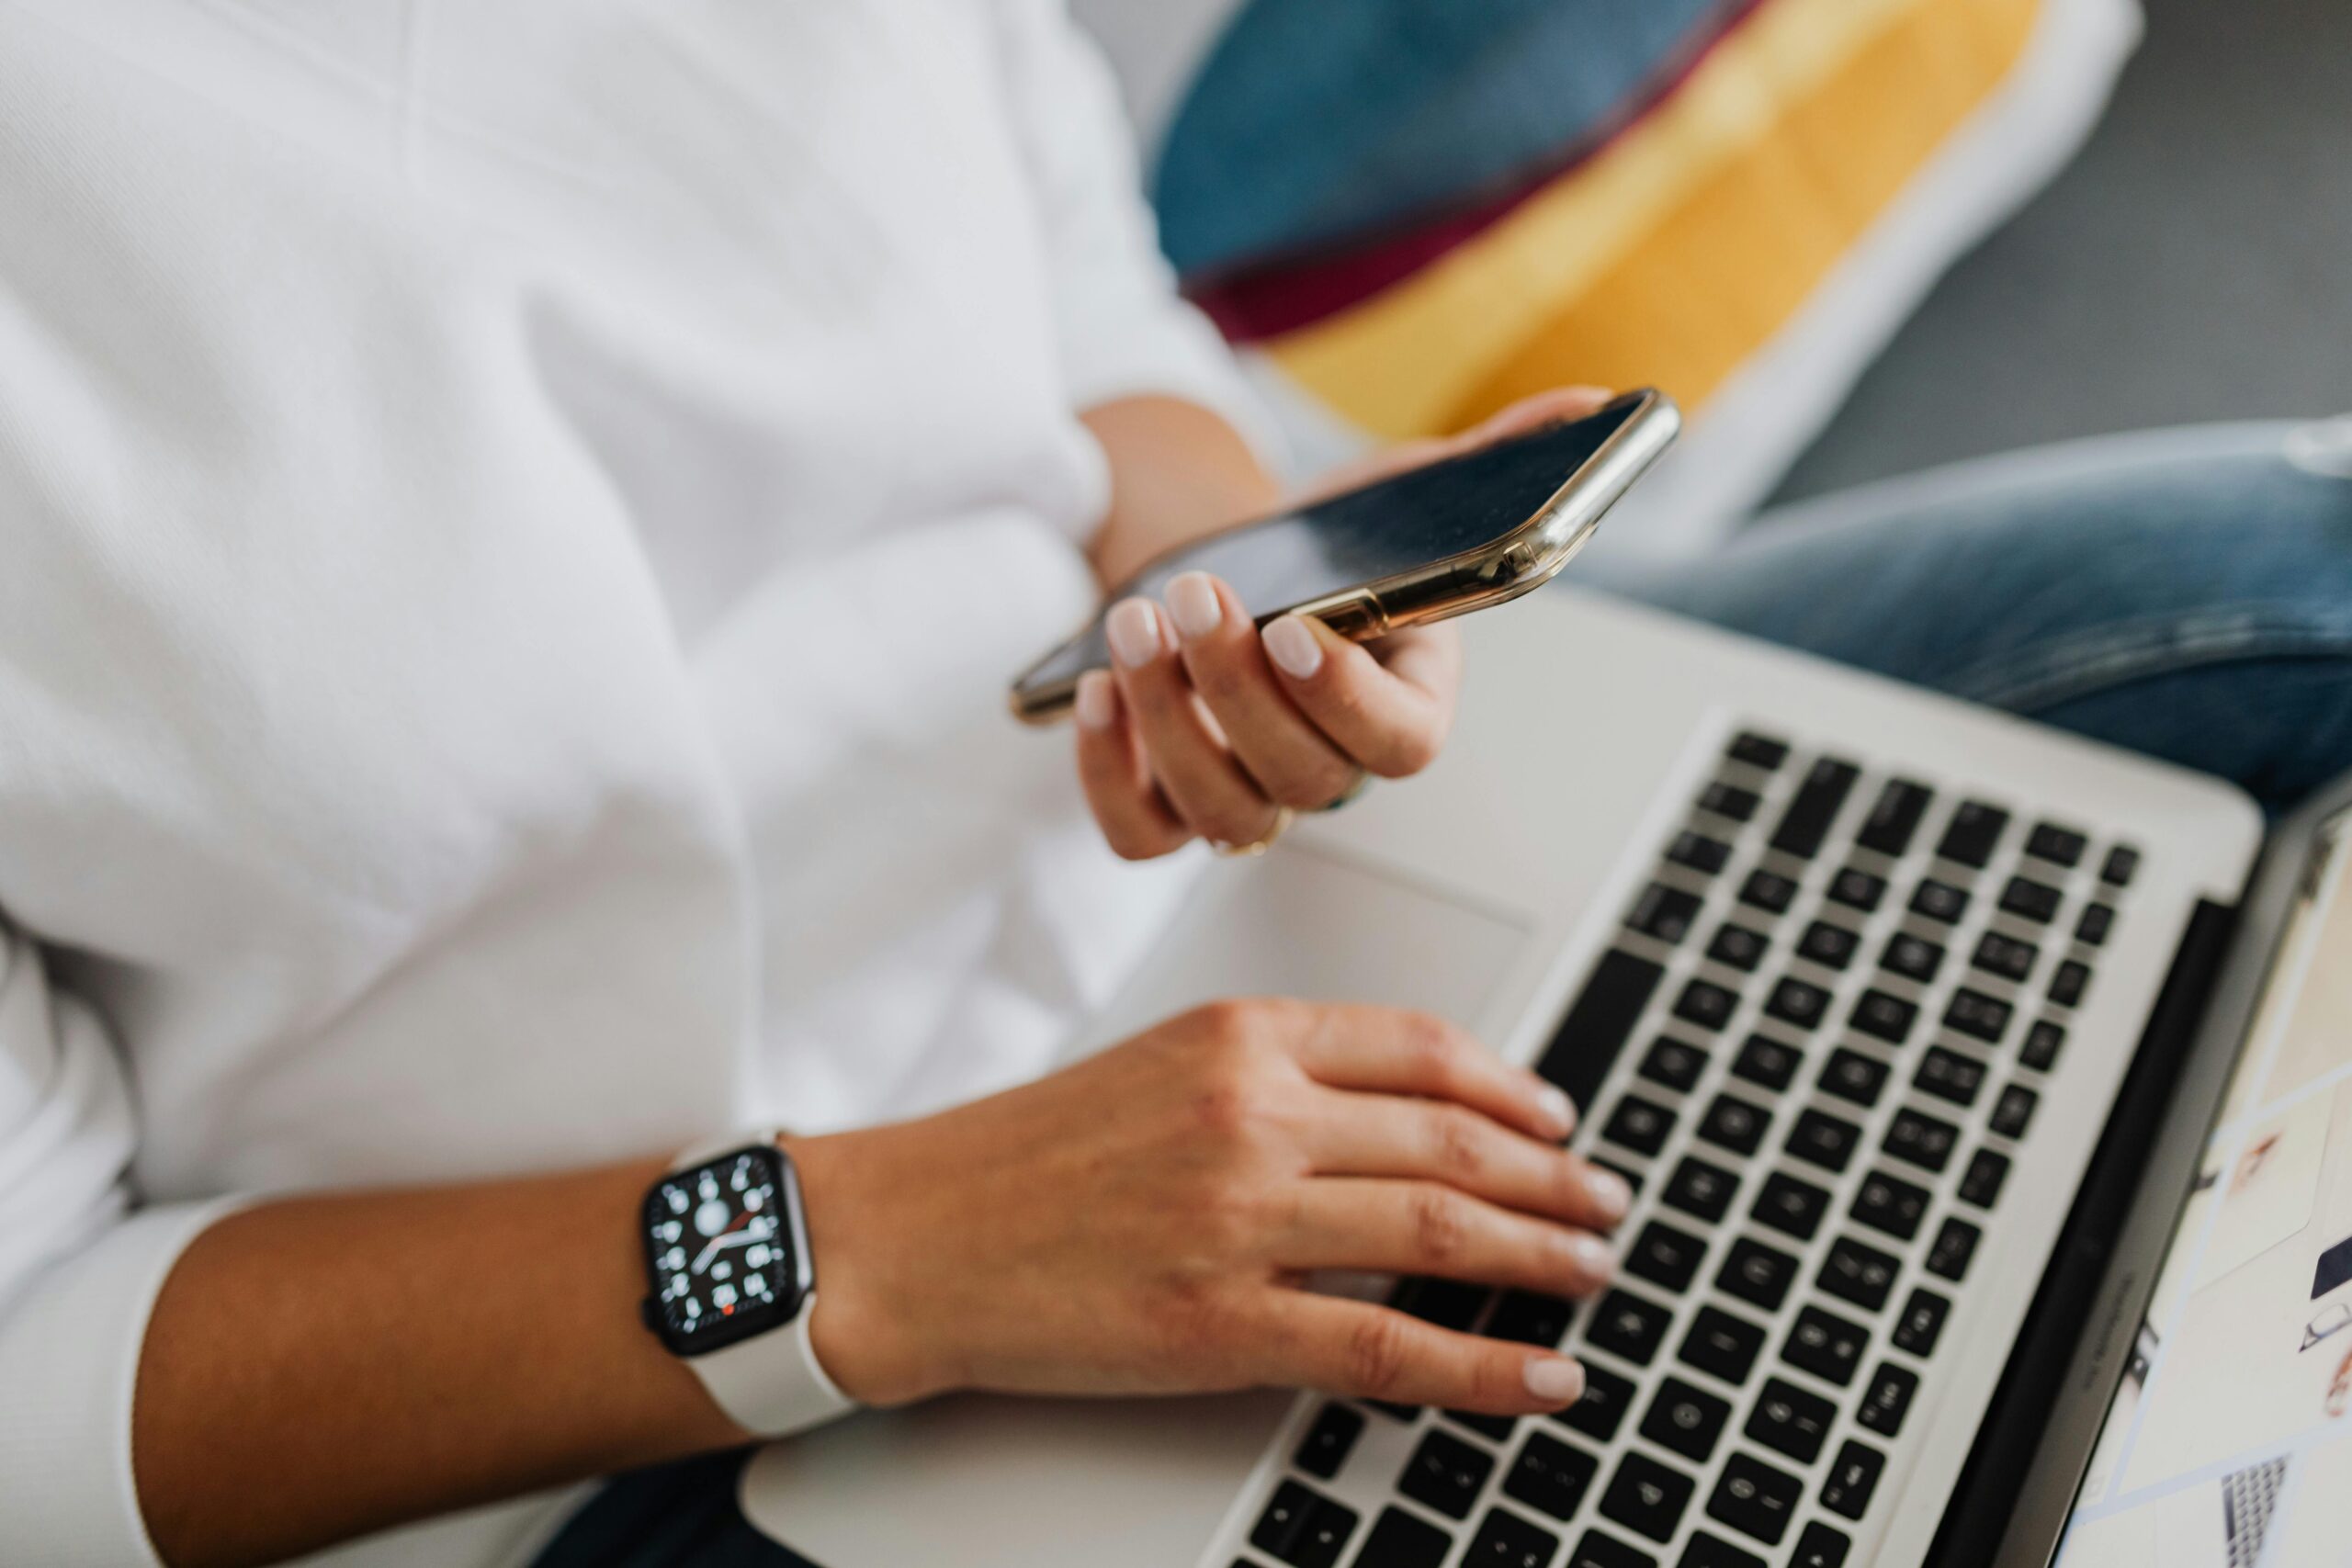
726 1250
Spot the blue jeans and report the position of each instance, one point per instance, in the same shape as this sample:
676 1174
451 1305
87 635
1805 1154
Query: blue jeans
2187 596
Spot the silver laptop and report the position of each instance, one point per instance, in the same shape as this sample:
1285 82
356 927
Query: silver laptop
1908 1022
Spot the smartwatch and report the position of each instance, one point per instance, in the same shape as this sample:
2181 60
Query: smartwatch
730 1287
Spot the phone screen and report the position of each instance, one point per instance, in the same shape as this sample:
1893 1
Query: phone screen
1360 537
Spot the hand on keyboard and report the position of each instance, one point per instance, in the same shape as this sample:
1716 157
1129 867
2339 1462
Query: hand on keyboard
1143 1221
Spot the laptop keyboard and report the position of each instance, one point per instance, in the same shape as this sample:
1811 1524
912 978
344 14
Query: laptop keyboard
1813 1046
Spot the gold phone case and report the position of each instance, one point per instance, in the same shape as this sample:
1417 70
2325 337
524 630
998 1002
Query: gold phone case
1519 562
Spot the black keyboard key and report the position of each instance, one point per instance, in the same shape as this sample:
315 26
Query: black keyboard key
1627 1326
2122 863
1706 1004
1889 1399
1756 751
1955 1244
1861 1275
1818 1546
1940 901
2059 846
1664 913
1327 1442
1303 1528
1974 1013
1913 957
1495 1428
1700 853
1641 1125
1922 1139
1981 1183
1768 891
1409 1413
1798 1002
1599 1551
1506 1540
1531 1317
2096 921
1826 1345
1764 1061
1733 1124
1890 1204
1445 1303
1722 1345
1948 1074
1729 800
1974 832
1755 1497
1896 817
1665 1256
1646 1497
1922 1323
1755 1273
1824 1140
1700 1189
1856 889
1850 1076
1399 1540
1739 947
1446 1473
2067 985
2040 1050
2031 901
1602 1408
1806 822
2013 1110
2005 956
1789 1420
1704 1550
1685 1420
1551 1475
1831 946
1884 1015
1791 1206
1853 1476
1674 1063
1599 1024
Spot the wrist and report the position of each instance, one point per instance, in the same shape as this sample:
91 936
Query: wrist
866 1326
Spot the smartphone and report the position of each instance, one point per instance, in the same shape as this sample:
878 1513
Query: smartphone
1442 540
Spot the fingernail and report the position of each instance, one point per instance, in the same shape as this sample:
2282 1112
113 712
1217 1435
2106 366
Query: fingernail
1554 1379
1098 700
1591 1257
1192 601
1557 1108
1292 648
1610 1193
1133 631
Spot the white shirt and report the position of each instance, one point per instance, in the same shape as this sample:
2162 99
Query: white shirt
516 520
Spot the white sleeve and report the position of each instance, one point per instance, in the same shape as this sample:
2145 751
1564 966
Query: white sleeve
78 1272
1123 330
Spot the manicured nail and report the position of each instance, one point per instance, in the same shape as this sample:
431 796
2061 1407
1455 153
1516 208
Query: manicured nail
1609 1193
1555 1379
1557 1108
1591 1257
1292 646
1098 700
1133 631
1192 601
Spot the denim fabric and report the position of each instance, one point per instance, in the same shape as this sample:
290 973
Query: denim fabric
677 1516
2192 603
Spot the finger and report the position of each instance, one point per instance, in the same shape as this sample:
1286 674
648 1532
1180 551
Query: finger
1288 758
1377 1226
1195 768
1533 412
1120 791
1391 719
1376 1134
1393 1051
1360 1351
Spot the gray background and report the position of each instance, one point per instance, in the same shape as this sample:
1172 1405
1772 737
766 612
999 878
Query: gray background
2195 263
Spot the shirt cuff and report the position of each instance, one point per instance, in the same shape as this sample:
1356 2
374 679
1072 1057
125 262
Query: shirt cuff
1169 351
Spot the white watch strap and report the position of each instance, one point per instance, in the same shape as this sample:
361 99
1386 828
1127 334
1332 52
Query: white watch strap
772 1384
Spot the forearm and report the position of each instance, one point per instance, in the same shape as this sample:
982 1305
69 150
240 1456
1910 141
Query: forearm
362 1359
1177 471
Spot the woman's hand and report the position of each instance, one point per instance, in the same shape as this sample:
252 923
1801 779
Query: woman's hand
1206 728
1143 1221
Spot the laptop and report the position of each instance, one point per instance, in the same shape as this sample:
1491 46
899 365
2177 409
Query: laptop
1908 1020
